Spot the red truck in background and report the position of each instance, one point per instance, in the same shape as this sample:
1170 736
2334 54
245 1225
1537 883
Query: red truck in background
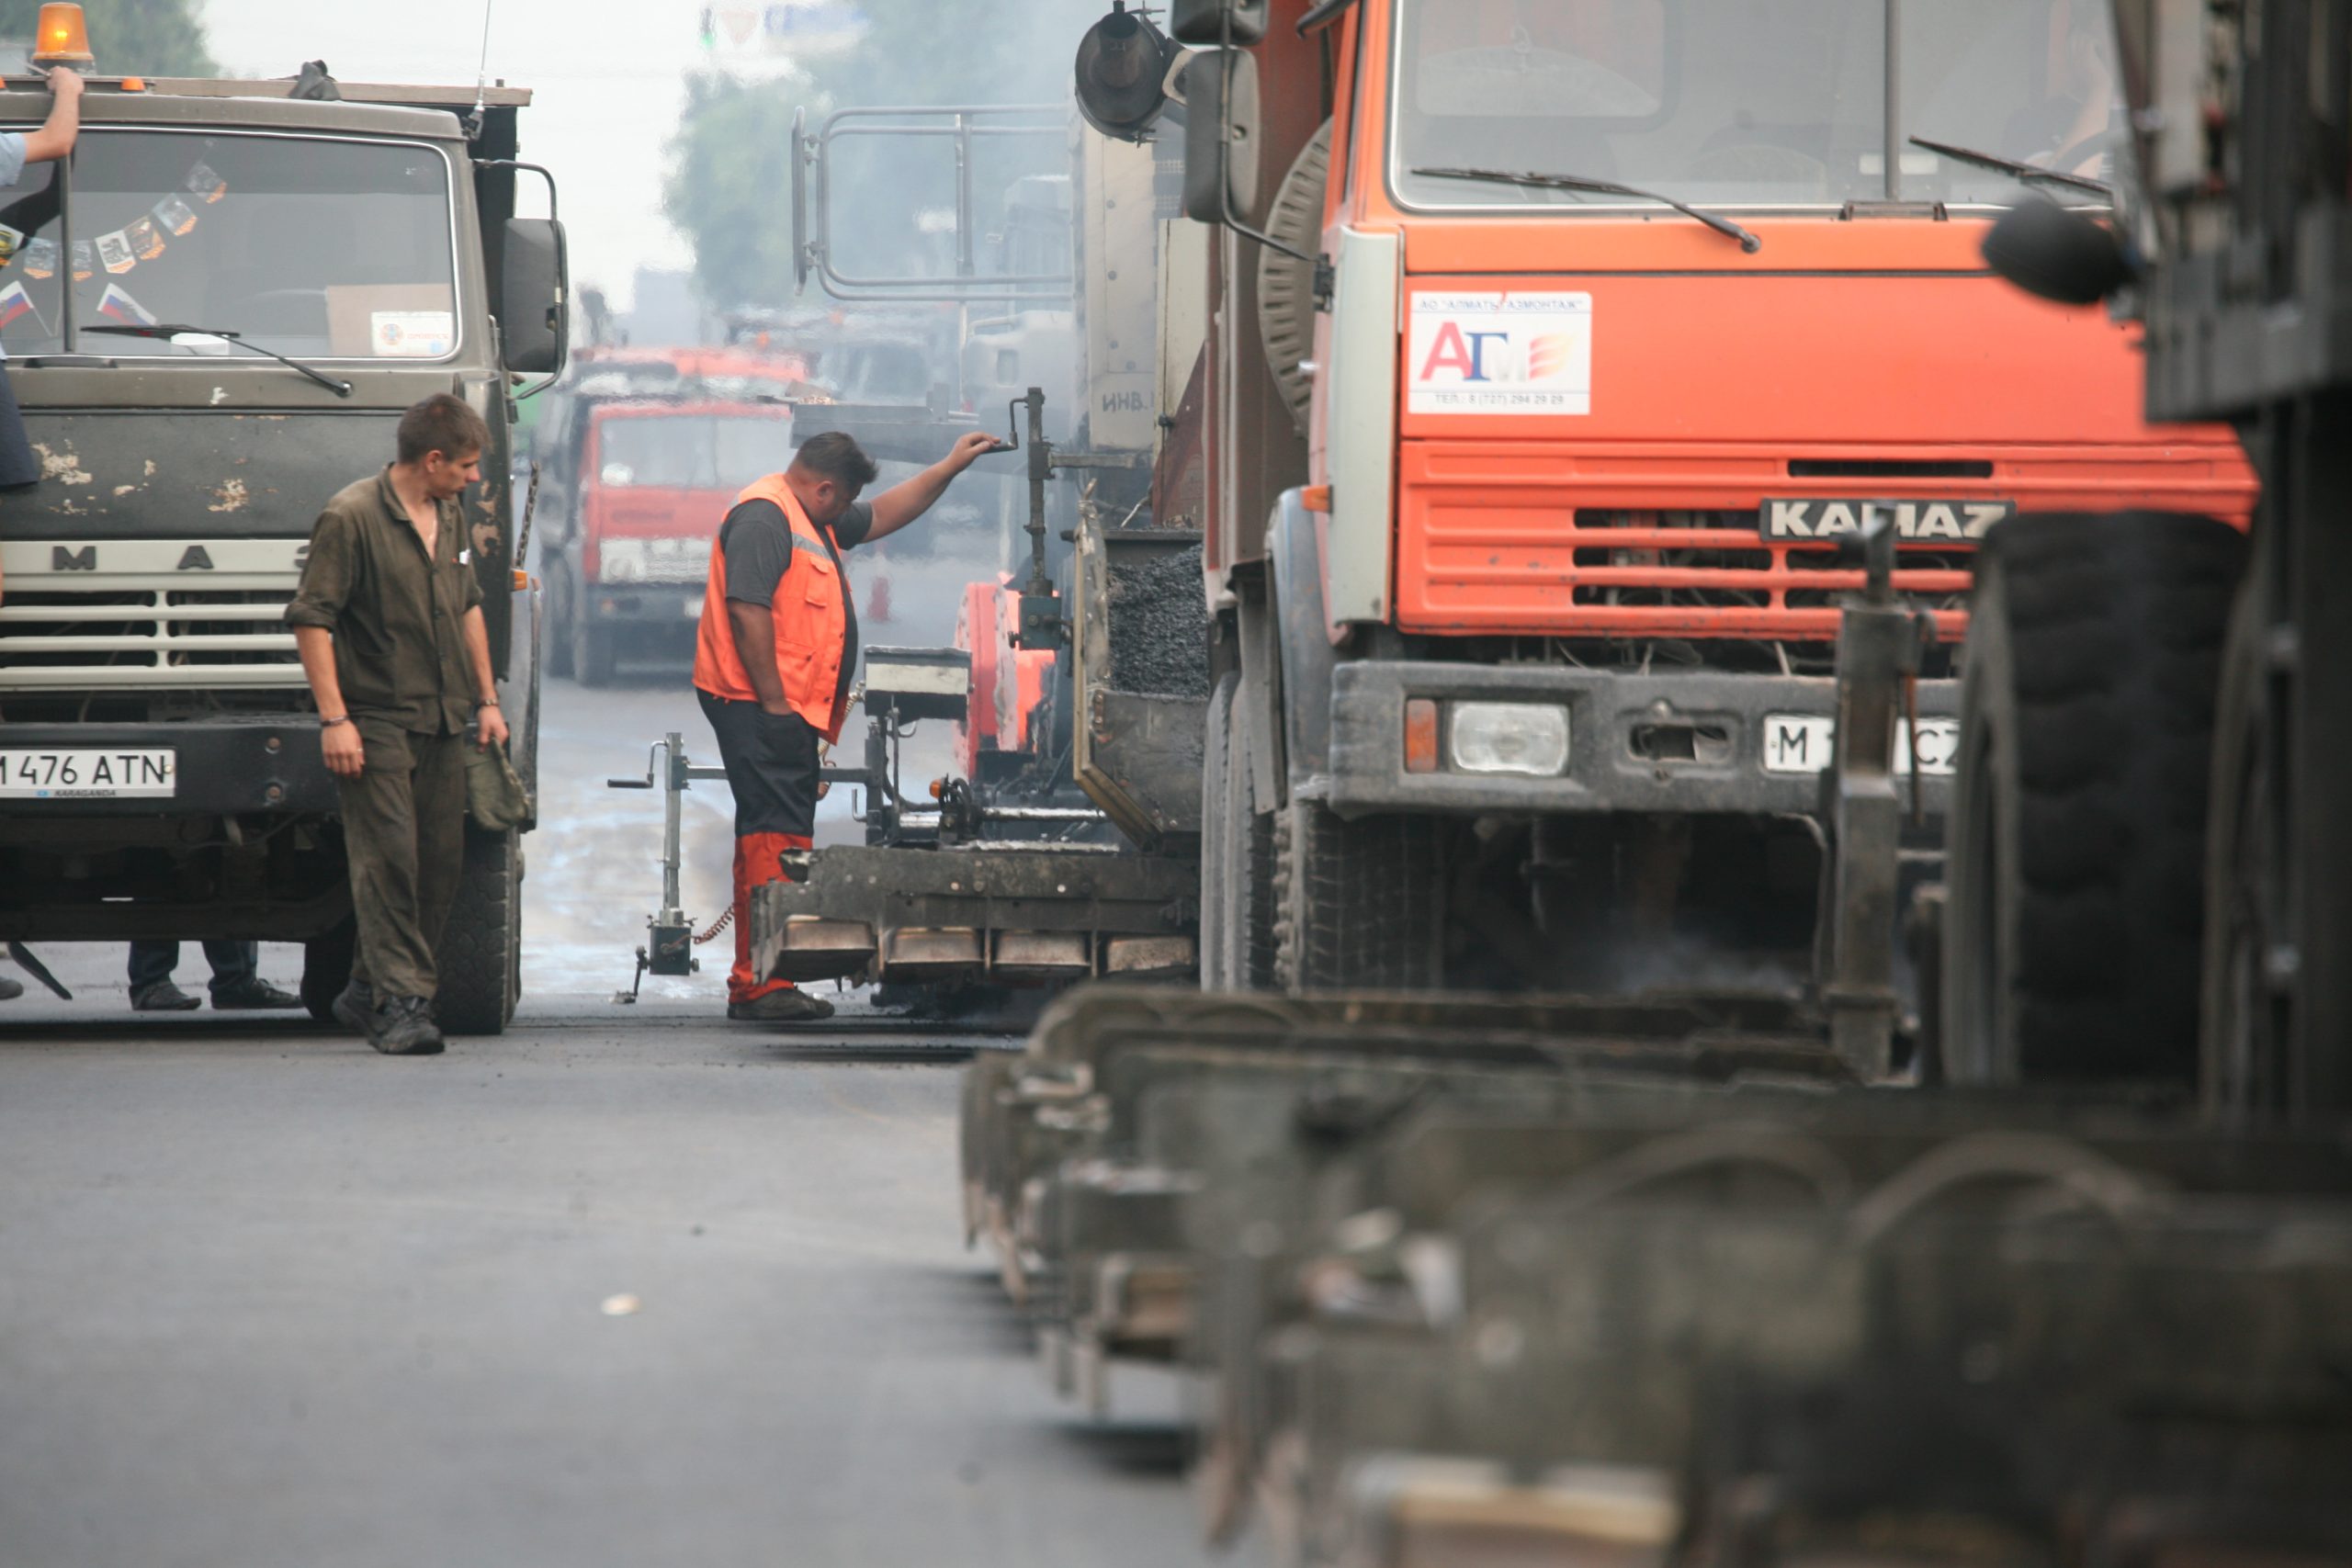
639 485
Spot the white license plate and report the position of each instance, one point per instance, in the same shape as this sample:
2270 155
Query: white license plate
87 775
1801 743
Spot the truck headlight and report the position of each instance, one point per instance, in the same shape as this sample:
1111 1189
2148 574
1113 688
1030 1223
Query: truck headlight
1509 737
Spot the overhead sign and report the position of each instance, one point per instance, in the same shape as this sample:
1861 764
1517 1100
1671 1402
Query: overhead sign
1499 353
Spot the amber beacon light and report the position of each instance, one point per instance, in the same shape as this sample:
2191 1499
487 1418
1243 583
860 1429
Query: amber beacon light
63 37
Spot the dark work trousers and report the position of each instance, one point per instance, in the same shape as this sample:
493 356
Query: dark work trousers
404 833
234 962
771 766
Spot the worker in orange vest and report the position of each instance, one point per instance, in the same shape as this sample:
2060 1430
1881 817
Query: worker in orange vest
776 655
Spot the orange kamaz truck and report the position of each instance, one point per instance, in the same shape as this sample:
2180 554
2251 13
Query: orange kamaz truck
1555 346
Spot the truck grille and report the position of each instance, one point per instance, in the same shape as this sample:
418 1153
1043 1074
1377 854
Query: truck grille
137 628
1690 574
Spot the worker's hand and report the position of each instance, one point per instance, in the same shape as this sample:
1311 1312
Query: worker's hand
973 446
490 726
776 709
345 754
66 82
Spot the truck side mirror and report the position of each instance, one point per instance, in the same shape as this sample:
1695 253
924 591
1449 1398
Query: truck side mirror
1221 121
2057 253
1204 24
534 311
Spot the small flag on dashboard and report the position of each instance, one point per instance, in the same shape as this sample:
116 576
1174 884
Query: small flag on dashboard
119 304
14 302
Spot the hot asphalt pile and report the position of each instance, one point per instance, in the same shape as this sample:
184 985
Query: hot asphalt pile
1159 628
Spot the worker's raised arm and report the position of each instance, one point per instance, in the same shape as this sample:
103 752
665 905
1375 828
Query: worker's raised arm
55 138
910 499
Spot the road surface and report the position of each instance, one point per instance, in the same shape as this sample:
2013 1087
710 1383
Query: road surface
267 1298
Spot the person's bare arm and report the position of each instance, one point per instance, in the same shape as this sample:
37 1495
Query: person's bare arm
55 138
490 724
345 757
910 499
755 630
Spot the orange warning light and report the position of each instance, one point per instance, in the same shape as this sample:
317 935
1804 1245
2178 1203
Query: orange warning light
63 37
1420 735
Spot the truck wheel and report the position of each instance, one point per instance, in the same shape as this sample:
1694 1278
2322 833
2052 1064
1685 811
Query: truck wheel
1249 866
326 967
1357 904
481 957
2074 916
592 653
562 599
2244 1032
1216 732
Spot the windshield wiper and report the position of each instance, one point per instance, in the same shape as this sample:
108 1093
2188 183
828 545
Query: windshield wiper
1719 223
2011 166
172 329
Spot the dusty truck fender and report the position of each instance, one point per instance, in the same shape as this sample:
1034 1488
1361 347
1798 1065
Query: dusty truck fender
1297 697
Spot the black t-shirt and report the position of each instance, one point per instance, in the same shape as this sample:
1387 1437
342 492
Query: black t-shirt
756 540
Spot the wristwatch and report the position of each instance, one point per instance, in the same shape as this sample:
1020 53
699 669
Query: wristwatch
325 723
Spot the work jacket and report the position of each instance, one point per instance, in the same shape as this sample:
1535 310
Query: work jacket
812 626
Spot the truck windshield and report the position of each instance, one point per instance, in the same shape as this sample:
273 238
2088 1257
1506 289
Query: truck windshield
685 451
316 247
1751 103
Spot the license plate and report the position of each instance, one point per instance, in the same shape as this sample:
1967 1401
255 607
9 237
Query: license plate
87 775
1925 521
1801 743
693 607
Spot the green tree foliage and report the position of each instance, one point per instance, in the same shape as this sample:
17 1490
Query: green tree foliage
153 38
729 186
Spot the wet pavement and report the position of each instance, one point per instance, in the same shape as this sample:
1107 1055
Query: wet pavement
624 1285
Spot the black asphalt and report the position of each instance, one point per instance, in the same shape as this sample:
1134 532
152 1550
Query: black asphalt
266 1298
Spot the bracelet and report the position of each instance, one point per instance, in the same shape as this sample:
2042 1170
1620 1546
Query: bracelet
331 723
492 703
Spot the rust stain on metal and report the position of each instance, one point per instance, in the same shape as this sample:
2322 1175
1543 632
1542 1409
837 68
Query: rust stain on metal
230 497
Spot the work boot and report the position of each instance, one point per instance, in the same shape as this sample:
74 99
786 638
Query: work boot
790 1005
405 1027
254 993
163 997
354 1008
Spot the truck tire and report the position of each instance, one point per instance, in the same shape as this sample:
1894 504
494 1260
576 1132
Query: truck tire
2074 915
1250 858
2243 1035
480 956
1216 732
562 609
1357 905
593 654
326 967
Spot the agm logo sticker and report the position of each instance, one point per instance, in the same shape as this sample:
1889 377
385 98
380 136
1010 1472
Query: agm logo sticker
1955 520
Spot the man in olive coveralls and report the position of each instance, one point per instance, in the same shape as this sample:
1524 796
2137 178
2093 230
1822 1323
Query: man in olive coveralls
776 655
390 624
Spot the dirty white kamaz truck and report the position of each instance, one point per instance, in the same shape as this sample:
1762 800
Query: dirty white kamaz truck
213 321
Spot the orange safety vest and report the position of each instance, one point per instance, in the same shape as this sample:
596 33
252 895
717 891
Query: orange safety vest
810 625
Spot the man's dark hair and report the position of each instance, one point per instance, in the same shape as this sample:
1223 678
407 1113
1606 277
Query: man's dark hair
442 424
836 455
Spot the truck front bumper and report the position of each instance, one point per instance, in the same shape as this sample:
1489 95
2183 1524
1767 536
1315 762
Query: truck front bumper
220 767
658 604
1679 742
